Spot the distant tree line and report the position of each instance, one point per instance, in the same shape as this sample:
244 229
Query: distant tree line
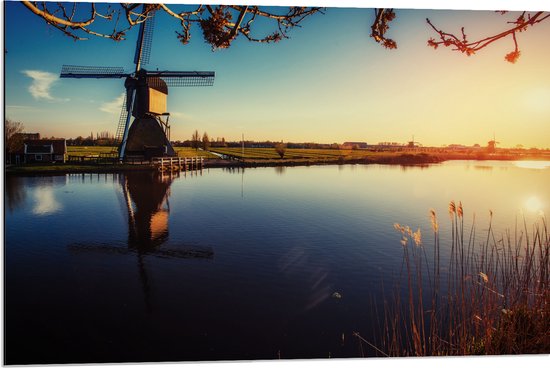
14 135
197 142
104 138
206 142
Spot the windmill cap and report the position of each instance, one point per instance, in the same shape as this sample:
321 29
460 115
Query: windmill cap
142 79
158 84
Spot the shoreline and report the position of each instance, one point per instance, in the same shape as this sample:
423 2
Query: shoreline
405 159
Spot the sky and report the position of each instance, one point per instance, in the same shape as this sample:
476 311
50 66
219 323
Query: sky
330 82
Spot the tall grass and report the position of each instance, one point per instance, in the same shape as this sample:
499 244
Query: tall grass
488 297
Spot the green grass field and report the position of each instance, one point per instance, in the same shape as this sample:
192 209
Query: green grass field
88 150
300 153
258 154
191 152
97 150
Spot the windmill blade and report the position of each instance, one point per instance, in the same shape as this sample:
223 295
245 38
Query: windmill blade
145 38
129 104
122 121
182 79
79 71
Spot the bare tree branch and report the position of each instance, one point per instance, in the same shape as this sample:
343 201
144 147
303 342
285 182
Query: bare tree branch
219 30
50 18
520 24
216 22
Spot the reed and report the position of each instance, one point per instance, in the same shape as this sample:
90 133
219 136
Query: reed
490 297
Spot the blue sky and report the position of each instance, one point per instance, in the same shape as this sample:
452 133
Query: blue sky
328 83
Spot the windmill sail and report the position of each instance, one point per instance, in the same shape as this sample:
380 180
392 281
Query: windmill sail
121 123
144 43
79 71
182 79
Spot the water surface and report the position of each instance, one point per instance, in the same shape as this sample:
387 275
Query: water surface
228 264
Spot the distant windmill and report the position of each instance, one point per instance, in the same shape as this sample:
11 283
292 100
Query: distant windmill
145 98
492 145
412 143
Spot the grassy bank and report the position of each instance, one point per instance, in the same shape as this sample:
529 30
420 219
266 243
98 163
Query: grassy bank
316 155
491 297
253 158
60 168
294 157
259 154
258 157
397 159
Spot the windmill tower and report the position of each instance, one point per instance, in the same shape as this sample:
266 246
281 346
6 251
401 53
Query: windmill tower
145 99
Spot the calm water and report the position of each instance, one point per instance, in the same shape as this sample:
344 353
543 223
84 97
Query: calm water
227 264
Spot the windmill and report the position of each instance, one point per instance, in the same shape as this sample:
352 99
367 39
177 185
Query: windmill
412 143
492 145
145 98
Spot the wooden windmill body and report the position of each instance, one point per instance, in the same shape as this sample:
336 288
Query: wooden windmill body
145 99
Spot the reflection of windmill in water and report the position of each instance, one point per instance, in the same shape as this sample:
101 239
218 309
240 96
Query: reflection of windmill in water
145 98
146 200
145 196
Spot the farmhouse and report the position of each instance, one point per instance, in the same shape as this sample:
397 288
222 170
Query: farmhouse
44 150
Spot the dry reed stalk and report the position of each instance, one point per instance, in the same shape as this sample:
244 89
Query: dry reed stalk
496 299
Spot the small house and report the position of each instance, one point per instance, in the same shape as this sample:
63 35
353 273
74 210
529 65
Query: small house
44 150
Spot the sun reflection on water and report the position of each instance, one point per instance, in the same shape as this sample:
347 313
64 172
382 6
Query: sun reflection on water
45 202
533 204
540 165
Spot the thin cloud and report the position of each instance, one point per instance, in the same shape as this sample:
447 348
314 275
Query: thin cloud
114 106
181 115
41 84
23 107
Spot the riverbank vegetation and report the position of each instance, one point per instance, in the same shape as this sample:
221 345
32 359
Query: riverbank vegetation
491 297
